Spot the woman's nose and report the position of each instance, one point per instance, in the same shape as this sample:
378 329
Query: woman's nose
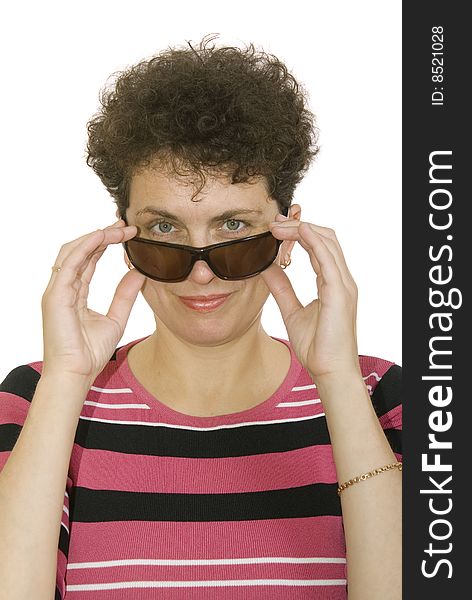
201 272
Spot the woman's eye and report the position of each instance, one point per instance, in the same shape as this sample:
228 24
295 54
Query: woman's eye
233 225
166 228
161 227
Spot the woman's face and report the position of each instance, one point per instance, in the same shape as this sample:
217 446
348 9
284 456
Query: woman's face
162 208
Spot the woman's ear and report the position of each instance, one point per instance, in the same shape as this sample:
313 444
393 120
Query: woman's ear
294 212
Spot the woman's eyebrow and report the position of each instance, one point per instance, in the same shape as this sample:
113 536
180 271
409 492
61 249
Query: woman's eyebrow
227 214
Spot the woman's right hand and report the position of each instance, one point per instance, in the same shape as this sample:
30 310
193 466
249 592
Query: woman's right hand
77 340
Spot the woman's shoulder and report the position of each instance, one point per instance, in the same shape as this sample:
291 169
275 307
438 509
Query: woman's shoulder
375 370
381 376
383 379
22 380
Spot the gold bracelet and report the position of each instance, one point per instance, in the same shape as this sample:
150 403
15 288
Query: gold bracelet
397 465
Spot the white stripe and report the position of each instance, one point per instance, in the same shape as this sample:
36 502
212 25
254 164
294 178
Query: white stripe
294 389
112 390
311 386
171 426
64 508
304 387
376 375
66 494
189 584
216 561
301 403
103 405
65 527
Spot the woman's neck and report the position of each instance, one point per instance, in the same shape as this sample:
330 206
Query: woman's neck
210 380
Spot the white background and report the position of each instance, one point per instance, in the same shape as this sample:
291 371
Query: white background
55 57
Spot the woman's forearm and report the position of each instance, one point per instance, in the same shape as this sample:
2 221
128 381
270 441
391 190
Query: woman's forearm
371 508
32 485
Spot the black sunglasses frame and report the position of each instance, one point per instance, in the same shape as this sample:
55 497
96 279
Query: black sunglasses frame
202 254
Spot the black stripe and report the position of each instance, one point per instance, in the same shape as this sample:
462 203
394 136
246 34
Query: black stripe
8 435
64 541
57 595
306 501
388 391
394 437
22 381
238 441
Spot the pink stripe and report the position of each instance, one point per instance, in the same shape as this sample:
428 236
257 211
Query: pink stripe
207 540
217 593
145 415
369 364
392 419
101 469
206 572
215 540
14 409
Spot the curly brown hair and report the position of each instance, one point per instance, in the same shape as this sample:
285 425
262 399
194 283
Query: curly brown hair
201 111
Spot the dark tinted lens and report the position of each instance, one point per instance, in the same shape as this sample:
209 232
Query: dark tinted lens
161 262
244 258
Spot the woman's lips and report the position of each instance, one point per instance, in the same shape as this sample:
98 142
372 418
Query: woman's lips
204 303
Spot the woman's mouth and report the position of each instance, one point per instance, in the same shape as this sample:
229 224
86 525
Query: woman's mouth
204 303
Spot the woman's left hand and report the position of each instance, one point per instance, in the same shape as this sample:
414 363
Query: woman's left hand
322 334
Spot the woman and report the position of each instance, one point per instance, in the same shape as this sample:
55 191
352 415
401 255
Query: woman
208 459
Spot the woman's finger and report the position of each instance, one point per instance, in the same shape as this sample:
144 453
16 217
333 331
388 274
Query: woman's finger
88 268
307 241
282 290
332 241
80 254
87 272
69 247
321 257
329 268
125 296
289 230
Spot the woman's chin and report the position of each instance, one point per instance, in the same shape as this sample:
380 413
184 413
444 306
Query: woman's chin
208 325
201 333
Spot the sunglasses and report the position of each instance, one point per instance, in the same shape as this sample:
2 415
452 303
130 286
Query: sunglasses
233 260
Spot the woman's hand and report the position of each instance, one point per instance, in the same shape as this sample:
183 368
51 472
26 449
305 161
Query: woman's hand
323 333
77 340
323 336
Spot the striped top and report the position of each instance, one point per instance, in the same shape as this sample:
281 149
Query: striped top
160 504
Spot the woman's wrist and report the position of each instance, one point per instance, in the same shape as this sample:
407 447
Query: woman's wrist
357 438
332 382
